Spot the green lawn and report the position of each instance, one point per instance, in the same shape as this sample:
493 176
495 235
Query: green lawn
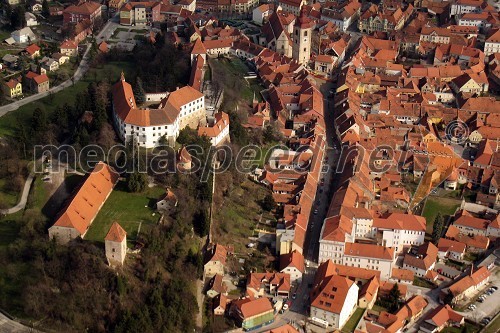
131 210
469 328
38 196
353 321
494 326
435 205
378 308
236 68
10 122
419 282
7 198
237 216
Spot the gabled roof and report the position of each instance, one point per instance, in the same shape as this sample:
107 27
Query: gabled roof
84 206
32 49
369 251
292 259
198 47
250 308
116 233
330 295
84 8
69 44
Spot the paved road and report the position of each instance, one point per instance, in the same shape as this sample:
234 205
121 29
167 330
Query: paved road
81 70
8 325
24 197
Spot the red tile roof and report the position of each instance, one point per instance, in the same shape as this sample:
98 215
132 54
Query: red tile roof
369 251
84 206
32 49
292 259
116 233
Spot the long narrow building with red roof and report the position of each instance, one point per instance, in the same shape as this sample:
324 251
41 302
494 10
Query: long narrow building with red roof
76 218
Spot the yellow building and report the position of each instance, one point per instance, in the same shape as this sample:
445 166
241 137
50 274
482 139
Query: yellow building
14 88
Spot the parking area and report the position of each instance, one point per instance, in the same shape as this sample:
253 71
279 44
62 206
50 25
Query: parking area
490 306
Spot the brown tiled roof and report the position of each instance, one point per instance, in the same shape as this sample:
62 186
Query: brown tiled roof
250 308
116 233
69 44
292 259
219 254
470 280
369 251
443 314
32 49
331 294
39 79
402 274
85 8
84 206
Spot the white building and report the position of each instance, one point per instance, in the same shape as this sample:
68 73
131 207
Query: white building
399 230
369 256
183 107
334 299
261 13
292 6
293 263
465 6
188 5
30 19
492 44
342 17
422 261
24 35
219 131
335 232
115 244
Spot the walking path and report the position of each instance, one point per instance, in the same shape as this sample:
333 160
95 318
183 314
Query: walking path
24 198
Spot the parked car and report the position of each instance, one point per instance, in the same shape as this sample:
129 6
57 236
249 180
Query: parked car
494 288
294 296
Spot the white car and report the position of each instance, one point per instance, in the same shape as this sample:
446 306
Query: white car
285 307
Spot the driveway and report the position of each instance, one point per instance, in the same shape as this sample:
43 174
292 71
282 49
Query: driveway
490 307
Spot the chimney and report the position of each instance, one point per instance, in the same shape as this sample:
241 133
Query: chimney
177 88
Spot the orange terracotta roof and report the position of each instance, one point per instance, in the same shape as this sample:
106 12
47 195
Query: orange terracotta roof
221 122
69 44
368 251
39 79
250 308
445 245
442 315
219 254
85 8
292 259
85 205
32 49
469 281
116 233
331 294
287 328
402 274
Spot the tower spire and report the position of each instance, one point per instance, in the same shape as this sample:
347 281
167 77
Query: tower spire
122 77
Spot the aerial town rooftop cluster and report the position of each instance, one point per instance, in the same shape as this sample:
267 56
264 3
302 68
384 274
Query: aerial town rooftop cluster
406 85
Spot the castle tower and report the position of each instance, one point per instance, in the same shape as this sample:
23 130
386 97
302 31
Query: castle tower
116 245
302 36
